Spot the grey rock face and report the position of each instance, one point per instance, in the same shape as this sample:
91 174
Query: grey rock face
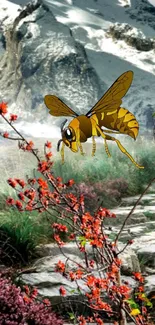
42 57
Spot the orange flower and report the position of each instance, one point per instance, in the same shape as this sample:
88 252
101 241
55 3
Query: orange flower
43 166
90 281
26 299
138 277
48 144
79 274
72 276
60 267
3 108
42 183
29 146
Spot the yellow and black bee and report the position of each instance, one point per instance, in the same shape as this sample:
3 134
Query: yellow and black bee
105 113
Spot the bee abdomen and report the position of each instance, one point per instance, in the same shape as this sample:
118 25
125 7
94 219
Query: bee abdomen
127 123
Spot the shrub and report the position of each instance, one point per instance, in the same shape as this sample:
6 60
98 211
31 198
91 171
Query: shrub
22 308
100 274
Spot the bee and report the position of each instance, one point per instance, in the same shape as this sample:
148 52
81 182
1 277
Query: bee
105 113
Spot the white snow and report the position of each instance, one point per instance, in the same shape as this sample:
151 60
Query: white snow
8 12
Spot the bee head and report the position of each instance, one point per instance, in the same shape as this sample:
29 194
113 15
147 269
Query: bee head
68 137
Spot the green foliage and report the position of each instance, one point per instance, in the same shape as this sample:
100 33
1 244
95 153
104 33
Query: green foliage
21 232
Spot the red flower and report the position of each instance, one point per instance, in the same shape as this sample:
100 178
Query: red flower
3 108
43 166
48 144
60 267
21 196
42 183
5 134
49 155
18 205
130 242
58 240
27 290
70 182
28 208
10 201
59 179
99 321
13 117
46 302
21 182
34 293
72 275
59 227
12 182
29 146
82 320
62 291
91 263
30 194
72 236
138 277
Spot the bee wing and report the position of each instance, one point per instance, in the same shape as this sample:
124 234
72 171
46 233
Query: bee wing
57 107
112 99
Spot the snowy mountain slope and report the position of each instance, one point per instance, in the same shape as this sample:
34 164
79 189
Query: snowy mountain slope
49 58
111 56
42 57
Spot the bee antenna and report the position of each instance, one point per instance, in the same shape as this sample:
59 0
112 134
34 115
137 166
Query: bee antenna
62 125
58 144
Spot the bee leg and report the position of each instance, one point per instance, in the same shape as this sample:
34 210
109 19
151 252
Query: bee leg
106 148
126 153
78 139
93 147
108 137
81 149
62 152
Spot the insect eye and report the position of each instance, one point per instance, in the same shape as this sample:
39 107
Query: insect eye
68 134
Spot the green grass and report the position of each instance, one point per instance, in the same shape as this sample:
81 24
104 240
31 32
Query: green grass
21 232
101 168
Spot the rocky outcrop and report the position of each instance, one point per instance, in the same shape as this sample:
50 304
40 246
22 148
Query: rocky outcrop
48 282
131 36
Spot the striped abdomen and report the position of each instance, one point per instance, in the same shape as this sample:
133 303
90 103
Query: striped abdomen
119 120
